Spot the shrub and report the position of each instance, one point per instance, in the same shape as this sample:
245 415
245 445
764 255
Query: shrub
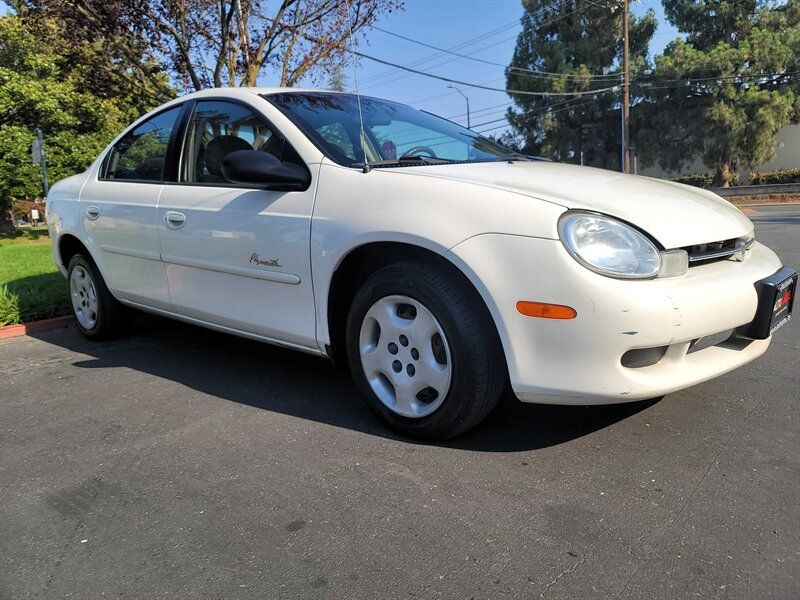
22 209
703 180
773 177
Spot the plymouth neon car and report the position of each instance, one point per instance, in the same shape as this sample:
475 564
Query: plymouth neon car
436 265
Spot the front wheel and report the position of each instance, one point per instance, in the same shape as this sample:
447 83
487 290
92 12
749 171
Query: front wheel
423 350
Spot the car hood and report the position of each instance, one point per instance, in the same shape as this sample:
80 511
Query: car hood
674 214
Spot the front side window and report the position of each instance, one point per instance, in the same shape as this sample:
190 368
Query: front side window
393 133
141 153
336 135
218 128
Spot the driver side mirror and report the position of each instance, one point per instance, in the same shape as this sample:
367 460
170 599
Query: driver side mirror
261 169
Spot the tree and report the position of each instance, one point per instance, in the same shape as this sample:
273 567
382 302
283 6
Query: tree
580 41
114 65
725 91
44 85
337 80
204 43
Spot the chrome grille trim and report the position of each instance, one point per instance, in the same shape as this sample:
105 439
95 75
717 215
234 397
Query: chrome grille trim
712 254
721 250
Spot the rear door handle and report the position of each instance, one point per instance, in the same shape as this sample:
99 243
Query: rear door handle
174 220
92 212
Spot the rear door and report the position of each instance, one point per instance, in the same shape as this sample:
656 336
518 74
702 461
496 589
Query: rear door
237 257
119 211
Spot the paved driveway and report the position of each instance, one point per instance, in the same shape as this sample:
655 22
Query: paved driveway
182 463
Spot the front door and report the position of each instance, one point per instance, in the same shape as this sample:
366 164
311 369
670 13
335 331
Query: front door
237 257
119 204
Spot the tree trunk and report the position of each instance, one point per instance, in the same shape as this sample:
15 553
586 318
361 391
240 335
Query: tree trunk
723 176
6 217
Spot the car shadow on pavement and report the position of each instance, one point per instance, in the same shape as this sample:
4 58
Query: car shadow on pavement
309 387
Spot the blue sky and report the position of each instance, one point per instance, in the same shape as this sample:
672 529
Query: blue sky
449 24
446 24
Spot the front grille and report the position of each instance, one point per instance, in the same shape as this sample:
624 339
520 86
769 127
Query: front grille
702 254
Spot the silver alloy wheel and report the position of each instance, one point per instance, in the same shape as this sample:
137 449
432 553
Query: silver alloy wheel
405 356
84 297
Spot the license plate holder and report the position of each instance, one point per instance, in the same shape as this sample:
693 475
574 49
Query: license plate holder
775 304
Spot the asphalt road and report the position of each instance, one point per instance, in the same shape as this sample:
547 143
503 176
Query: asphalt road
182 463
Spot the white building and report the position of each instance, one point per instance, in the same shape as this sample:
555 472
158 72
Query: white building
787 156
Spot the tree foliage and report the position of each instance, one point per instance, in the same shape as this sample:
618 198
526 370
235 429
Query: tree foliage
47 83
205 43
337 80
725 91
721 92
579 40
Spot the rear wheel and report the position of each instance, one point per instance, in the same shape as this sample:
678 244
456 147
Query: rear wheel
423 350
96 311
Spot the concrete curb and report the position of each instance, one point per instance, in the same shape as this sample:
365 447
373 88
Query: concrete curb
10 331
757 204
757 190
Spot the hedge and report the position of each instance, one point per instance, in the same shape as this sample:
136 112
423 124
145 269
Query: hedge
772 177
702 180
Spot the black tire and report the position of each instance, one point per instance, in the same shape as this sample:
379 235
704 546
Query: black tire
109 314
478 366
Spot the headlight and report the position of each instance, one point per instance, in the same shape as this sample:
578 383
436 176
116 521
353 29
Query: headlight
608 246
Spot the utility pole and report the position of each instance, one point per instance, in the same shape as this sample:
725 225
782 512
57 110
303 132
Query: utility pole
452 87
626 89
38 155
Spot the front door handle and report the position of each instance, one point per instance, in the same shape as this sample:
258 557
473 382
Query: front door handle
92 212
174 220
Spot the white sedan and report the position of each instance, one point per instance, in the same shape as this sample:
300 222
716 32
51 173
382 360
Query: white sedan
439 267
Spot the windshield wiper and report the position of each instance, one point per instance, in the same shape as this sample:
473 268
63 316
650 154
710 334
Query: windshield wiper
422 160
430 160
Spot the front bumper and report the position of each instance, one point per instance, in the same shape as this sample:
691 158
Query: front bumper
579 361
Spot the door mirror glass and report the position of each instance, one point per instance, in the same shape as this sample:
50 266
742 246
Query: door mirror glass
257 168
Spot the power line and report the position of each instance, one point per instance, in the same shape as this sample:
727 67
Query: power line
490 122
440 64
552 112
464 44
564 16
533 72
484 115
717 78
546 109
479 86
482 110
428 98
551 21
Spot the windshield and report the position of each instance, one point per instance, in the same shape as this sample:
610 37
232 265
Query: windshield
394 134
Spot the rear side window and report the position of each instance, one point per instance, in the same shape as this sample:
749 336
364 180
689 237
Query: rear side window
218 128
141 153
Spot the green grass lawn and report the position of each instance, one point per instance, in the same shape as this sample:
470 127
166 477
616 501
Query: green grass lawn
31 287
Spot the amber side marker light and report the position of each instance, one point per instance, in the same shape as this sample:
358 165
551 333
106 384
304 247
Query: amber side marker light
545 311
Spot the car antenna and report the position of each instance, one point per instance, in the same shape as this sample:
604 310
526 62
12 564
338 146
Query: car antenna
365 168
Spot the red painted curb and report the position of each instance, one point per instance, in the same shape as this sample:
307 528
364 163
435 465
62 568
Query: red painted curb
10 331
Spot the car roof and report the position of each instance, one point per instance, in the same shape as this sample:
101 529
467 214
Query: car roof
276 90
237 91
241 93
